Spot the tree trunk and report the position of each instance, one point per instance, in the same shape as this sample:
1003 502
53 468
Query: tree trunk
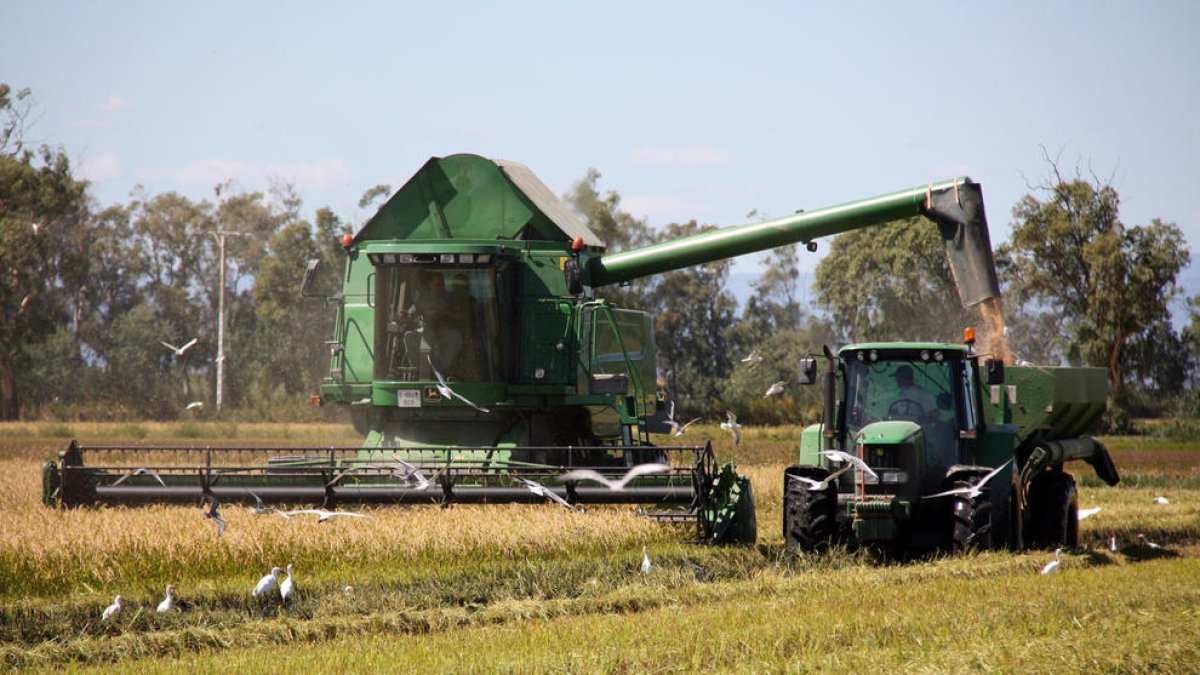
10 411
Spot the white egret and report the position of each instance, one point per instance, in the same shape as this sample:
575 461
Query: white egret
194 405
816 485
179 350
287 586
620 483
1053 564
323 515
140 472
775 389
261 509
645 561
444 388
1112 544
213 513
973 491
1147 543
1161 500
840 456
266 583
542 491
112 610
168 602
753 359
1084 513
731 425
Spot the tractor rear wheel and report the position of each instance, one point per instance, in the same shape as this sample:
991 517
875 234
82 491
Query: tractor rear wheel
808 515
1053 508
972 518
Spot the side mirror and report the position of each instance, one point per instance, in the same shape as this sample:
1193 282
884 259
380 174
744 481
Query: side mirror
310 273
571 272
808 371
995 371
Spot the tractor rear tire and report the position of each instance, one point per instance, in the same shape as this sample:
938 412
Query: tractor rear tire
1053 511
808 516
972 518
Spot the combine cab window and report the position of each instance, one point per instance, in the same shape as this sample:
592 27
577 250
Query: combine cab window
447 315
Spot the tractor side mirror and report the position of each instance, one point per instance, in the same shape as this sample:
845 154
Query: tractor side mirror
310 273
995 371
571 272
808 371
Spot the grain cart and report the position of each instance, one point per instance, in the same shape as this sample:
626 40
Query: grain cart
930 421
474 353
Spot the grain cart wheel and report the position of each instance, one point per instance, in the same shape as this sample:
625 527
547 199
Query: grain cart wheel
1053 511
808 515
972 518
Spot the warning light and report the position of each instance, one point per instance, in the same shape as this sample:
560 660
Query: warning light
969 335
347 240
577 244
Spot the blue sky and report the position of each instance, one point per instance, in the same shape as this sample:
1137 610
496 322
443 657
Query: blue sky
688 109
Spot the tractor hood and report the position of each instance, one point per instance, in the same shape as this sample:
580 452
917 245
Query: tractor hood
891 432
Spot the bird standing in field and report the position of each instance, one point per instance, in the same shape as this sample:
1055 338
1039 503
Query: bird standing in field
213 513
731 425
179 350
1084 513
1161 500
287 586
620 483
775 389
168 602
112 610
645 561
266 583
324 516
1053 564
1147 543
1112 544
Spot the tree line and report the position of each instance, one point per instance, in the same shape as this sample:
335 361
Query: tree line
96 301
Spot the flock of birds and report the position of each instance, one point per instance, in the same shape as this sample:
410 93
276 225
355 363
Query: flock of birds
262 591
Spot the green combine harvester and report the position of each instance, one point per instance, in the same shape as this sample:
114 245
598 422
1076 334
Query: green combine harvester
480 365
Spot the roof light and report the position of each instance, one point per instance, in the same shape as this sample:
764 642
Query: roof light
577 244
347 240
969 335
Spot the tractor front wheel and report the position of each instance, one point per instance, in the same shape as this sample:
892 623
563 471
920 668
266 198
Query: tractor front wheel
972 517
808 515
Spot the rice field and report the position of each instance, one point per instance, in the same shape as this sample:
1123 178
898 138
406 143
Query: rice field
538 588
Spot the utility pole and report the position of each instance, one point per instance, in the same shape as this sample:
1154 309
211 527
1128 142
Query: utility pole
220 235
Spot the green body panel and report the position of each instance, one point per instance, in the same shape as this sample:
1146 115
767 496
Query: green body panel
811 444
1047 403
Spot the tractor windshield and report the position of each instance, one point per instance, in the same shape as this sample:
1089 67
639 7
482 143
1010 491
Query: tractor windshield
447 316
922 391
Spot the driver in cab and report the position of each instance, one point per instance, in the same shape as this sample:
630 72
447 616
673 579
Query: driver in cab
908 390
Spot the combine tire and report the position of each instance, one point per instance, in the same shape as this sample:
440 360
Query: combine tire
1053 511
808 516
972 519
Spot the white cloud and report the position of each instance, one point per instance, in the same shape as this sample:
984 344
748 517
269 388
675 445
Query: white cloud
101 167
688 155
112 104
321 173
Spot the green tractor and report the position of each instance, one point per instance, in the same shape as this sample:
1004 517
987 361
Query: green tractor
479 362
928 446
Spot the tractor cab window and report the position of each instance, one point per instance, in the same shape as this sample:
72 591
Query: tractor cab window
444 316
921 391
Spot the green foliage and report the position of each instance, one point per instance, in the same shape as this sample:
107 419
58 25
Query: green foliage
1104 285
891 283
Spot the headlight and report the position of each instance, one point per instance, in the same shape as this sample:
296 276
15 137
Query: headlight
886 477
